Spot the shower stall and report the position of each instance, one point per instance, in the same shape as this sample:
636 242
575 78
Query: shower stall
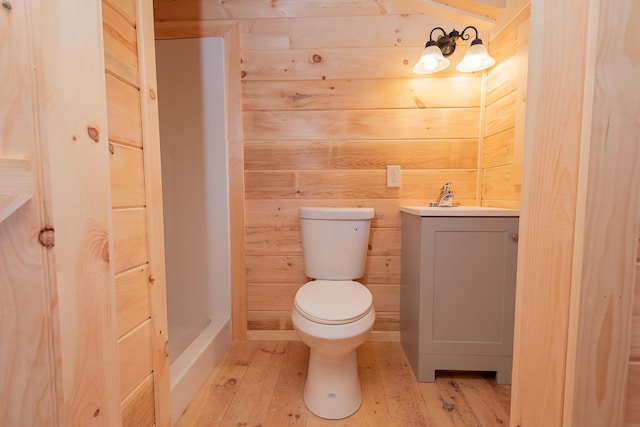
195 205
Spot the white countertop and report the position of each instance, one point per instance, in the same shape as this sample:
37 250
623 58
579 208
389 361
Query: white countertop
458 211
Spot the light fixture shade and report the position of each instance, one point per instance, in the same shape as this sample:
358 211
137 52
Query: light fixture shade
476 59
431 61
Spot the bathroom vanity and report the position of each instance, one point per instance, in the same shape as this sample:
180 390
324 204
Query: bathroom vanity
457 294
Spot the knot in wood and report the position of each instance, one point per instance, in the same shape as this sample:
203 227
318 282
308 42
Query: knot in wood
316 58
6 5
47 237
105 251
93 133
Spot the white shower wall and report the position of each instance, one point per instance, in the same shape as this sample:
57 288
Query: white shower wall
196 216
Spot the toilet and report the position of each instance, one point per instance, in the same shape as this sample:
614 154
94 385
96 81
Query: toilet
333 314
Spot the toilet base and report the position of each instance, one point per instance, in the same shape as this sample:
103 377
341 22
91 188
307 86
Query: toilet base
332 390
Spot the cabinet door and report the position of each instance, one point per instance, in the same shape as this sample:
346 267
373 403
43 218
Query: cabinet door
469 267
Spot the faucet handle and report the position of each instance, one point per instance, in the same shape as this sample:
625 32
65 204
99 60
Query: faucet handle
445 187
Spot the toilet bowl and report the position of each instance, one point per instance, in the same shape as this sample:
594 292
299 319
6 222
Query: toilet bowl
333 314
332 389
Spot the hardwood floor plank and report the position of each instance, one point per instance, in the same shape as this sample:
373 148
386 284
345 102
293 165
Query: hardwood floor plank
374 410
287 405
438 407
211 403
261 383
455 402
490 409
404 401
252 401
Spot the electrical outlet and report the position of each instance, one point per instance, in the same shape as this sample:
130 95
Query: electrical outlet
393 176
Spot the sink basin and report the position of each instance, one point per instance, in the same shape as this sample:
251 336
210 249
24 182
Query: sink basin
458 211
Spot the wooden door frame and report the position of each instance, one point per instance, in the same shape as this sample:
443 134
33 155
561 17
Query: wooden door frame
579 217
230 32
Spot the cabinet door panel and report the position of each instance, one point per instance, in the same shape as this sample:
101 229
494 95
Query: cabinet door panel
469 285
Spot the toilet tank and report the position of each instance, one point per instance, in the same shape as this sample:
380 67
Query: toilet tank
335 242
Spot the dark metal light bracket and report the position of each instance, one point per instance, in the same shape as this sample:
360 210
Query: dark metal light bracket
447 42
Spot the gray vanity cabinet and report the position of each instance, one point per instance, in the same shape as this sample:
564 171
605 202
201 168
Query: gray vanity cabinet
457 293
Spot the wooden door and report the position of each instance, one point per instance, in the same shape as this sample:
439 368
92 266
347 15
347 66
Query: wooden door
137 211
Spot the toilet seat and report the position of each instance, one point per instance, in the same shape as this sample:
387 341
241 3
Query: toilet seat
333 302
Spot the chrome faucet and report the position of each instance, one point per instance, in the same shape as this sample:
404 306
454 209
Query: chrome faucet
445 198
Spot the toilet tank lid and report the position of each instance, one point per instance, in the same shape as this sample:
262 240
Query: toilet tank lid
336 213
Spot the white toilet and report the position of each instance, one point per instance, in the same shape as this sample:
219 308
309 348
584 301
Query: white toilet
332 314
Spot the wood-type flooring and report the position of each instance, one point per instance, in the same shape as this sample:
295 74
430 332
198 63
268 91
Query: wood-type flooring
260 383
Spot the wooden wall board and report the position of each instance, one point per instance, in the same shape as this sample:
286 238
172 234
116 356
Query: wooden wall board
365 184
545 249
361 124
388 30
126 7
167 10
132 298
329 64
362 93
632 403
281 213
634 350
123 110
503 78
504 115
138 407
502 183
634 353
27 375
571 140
120 45
131 244
476 7
506 204
361 154
501 115
154 227
136 361
498 149
504 41
604 289
72 128
127 176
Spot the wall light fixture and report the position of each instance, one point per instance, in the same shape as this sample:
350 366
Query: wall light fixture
435 53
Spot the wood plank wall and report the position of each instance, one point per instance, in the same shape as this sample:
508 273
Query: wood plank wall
632 404
575 296
632 411
503 140
30 384
329 100
58 354
139 268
